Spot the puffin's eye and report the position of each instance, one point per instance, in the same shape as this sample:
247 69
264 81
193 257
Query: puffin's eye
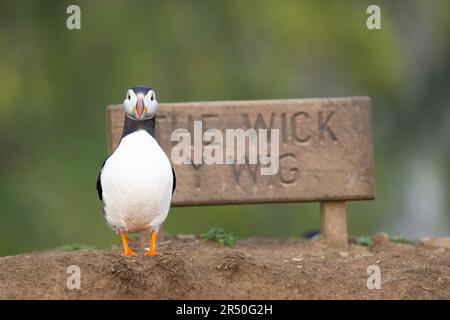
151 97
129 97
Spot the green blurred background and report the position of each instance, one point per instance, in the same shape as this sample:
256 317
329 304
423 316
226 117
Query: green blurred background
55 84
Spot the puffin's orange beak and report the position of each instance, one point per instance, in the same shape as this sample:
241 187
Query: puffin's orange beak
140 107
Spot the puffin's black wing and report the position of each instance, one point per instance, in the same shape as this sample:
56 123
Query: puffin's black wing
174 183
99 182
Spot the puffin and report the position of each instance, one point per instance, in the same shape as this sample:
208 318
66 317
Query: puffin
136 182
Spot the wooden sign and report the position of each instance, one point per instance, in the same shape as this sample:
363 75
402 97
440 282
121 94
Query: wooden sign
325 150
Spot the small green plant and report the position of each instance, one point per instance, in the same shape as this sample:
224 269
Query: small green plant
75 247
364 241
398 237
220 236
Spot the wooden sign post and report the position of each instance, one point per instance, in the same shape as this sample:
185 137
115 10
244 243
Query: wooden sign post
325 154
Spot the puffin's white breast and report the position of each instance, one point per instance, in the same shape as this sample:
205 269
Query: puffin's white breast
137 184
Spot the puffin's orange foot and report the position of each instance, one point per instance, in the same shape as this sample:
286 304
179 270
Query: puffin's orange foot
151 252
151 249
129 253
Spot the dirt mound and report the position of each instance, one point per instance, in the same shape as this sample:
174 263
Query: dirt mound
253 269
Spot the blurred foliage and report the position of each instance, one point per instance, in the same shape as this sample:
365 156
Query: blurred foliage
74 247
364 241
220 236
55 84
398 237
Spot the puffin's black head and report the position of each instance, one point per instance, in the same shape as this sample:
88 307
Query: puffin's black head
140 103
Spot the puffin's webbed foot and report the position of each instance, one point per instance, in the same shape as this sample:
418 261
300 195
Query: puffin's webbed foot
127 252
149 253
152 250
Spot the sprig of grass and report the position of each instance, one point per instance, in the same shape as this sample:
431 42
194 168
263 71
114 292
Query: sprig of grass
398 237
220 236
74 247
364 241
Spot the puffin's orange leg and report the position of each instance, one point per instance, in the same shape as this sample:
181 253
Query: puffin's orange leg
127 252
152 250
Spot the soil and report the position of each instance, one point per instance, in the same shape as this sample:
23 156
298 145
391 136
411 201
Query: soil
193 268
